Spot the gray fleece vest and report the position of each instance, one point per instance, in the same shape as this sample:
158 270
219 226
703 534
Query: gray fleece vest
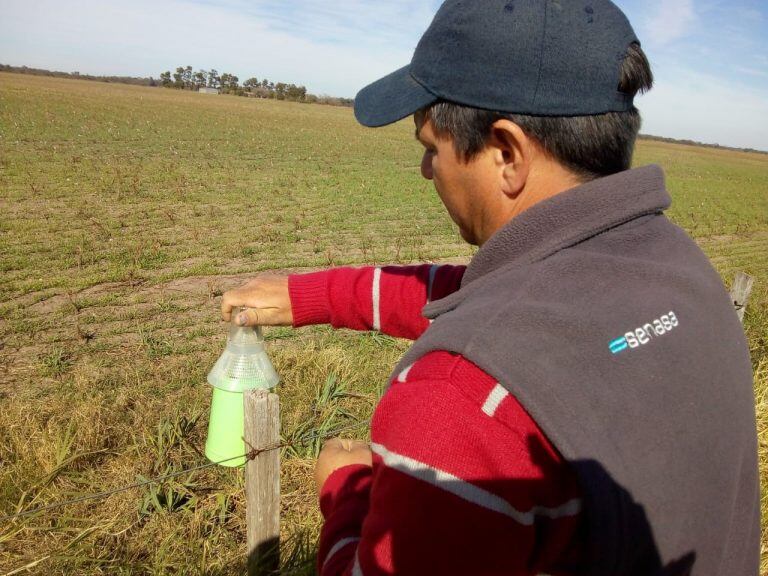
613 330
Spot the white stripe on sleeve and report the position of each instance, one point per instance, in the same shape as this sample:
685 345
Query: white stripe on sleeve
356 570
338 546
469 492
376 297
495 398
404 374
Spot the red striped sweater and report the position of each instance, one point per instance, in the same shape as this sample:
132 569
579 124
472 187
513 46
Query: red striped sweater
463 480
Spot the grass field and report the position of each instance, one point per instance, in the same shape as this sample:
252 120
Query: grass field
126 211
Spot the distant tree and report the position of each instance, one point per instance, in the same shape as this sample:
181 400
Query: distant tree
251 84
199 79
295 93
280 90
214 80
178 78
230 83
187 77
165 79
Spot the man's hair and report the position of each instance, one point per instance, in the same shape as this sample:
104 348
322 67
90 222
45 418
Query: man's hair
590 146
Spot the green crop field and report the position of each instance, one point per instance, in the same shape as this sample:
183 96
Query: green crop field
126 211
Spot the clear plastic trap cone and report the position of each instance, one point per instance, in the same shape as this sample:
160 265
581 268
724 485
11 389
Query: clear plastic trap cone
244 364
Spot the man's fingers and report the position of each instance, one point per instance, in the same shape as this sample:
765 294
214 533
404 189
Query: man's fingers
248 317
231 299
333 443
353 445
257 317
347 444
340 452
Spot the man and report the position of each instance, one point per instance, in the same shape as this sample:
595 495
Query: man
578 398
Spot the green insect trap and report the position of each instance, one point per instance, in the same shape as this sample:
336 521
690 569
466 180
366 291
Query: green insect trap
244 365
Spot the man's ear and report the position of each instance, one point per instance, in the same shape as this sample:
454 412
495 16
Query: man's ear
514 155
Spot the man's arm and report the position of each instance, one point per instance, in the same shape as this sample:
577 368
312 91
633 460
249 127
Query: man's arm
388 298
462 482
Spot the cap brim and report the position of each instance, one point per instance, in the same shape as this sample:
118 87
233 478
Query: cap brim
390 99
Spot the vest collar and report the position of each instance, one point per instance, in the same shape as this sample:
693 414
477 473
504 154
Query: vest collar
562 221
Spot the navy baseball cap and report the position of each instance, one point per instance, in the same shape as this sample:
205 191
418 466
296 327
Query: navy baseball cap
536 57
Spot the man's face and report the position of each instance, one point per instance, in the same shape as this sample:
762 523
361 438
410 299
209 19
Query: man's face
463 186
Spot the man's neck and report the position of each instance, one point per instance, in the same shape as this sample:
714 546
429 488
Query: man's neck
546 180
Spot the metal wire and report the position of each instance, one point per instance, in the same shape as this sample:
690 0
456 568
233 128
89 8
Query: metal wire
250 455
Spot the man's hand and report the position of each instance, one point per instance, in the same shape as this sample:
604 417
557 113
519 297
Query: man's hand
266 299
337 453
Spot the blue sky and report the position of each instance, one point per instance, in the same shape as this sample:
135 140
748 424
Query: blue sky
710 57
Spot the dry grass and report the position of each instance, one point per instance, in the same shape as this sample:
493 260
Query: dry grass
127 211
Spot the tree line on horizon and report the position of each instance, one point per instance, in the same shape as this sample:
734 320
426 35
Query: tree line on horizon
226 83
78 76
184 78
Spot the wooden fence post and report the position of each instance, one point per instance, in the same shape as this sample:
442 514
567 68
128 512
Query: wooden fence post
742 286
262 482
